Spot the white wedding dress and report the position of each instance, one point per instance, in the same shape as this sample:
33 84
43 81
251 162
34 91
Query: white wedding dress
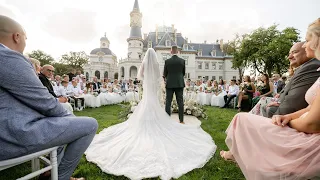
150 143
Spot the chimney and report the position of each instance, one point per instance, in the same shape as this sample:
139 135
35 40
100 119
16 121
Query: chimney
157 34
205 41
172 27
221 44
186 40
145 35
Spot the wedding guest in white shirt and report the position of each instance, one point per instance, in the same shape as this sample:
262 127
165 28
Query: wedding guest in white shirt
232 93
61 91
76 93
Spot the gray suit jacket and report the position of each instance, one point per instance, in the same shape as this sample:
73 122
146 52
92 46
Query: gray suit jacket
29 114
174 71
292 98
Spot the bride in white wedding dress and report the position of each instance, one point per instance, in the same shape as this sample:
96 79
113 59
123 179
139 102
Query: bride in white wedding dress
150 143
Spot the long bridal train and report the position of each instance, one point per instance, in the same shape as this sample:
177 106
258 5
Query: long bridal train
150 143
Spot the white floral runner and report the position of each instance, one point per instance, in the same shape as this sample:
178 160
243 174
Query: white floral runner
190 120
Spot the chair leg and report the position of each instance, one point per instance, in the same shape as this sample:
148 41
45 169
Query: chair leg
35 164
54 164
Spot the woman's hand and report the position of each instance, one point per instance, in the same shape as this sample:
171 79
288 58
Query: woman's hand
281 120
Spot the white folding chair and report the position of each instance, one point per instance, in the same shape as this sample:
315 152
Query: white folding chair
34 158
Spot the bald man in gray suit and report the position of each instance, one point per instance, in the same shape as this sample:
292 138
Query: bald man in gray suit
31 118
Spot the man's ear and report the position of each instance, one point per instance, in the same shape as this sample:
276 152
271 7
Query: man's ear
16 37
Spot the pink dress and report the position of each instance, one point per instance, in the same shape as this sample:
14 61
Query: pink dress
265 151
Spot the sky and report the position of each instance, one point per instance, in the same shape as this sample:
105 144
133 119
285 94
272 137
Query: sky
60 26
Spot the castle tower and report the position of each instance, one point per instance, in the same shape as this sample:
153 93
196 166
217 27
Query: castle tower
135 41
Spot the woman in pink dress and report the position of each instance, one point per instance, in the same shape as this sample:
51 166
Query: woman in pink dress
286 147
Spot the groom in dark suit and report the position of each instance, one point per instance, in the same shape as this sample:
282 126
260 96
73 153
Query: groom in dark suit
174 71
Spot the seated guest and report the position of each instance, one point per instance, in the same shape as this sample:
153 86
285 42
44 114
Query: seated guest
218 94
265 89
75 93
278 84
96 84
36 65
246 92
61 91
232 93
44 76
286 147
291 98
31 118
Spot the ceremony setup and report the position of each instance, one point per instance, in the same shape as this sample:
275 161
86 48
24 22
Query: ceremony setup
228 90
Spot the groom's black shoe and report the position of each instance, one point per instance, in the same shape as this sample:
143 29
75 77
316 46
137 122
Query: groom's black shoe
182 122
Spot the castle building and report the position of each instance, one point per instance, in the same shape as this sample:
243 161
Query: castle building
102 62
203 60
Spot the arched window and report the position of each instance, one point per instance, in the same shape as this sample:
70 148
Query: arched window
97 74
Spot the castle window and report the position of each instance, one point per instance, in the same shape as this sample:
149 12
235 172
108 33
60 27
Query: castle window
150 44
185 47
214 53
199 65
220 66
206 65
199 53
214 65
168 43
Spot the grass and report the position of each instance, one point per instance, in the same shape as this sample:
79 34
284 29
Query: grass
216 169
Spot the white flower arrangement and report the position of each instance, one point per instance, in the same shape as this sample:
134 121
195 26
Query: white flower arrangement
191 107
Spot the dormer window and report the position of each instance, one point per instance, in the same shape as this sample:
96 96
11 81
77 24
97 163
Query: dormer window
150 44
213 53
168 43
199 52
185 47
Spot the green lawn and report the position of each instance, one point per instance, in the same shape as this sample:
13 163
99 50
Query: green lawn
215 169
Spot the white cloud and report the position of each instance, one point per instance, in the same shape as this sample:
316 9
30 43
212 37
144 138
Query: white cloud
59 26
77 26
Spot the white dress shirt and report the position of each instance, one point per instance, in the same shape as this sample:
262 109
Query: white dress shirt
60 91
233 90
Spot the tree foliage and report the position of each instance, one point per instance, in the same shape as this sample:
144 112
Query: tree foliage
265 49
61 69
43 57
233 48
75 60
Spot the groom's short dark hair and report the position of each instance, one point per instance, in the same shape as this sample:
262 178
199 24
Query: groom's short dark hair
174 48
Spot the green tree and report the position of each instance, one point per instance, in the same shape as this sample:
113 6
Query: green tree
43 57
75 59
233 48
266 49
61 68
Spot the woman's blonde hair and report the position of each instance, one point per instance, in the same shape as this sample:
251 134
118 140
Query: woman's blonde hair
34 62
314 33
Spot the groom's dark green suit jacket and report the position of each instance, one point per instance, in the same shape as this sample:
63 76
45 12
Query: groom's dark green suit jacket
174 71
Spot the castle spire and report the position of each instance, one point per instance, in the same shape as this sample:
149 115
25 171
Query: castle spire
136 5
135 21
